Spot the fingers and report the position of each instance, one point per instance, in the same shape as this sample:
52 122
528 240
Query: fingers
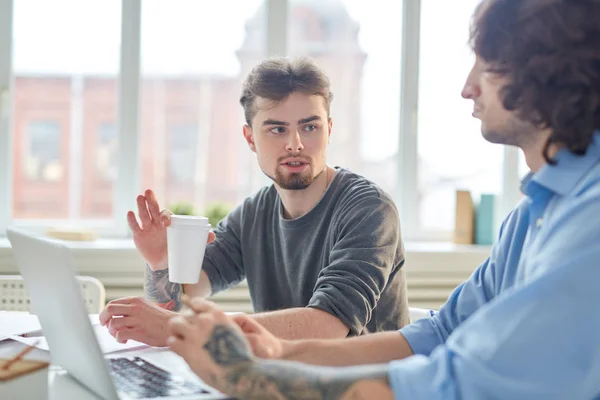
165 217
254 345
126 334
111 310
114 310
152 205
211 237
258 347
189 331
246 323
143 211
133 224
198 305
104 317
119 323
178 327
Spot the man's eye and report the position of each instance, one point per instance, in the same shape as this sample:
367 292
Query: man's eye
278 130
310 128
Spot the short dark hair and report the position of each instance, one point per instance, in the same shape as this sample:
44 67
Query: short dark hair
276 78
550 52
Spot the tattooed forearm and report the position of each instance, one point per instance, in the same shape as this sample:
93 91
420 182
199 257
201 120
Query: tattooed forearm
268 379
246 378
160 290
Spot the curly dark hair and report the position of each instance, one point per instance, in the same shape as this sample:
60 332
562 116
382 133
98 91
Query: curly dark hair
550 52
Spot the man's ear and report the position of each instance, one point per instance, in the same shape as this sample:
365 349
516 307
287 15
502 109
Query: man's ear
330 125
249 136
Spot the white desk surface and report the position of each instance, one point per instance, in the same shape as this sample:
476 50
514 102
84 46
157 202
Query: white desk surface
63 387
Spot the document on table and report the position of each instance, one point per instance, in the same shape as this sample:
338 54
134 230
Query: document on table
108 344
14 324
17 323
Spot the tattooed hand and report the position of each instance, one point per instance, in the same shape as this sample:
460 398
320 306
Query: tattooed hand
210 342
215 348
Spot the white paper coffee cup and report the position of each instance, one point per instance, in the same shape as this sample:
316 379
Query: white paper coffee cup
186 243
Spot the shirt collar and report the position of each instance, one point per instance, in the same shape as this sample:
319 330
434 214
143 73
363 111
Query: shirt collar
570 168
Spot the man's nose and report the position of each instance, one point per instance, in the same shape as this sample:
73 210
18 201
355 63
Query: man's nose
470 91
294 143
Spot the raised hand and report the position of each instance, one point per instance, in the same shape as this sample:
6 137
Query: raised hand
150 237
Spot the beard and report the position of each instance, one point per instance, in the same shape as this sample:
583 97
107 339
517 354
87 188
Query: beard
295 181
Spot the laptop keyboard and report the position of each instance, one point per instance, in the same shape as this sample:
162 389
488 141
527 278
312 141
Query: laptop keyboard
140 379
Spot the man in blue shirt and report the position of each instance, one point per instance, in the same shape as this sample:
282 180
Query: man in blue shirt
526 324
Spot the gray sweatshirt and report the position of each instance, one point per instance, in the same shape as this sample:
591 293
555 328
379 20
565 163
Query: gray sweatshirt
344 256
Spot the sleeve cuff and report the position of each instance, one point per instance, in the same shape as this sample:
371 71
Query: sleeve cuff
421 336
214 276
420 377
322 302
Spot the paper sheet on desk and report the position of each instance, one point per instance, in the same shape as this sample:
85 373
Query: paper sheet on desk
17 323
108 344
13 323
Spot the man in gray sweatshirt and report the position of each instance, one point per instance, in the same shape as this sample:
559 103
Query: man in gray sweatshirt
320 248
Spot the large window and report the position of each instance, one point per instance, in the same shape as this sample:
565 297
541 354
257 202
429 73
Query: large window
193 61
101 109
65 65
359 47
452 155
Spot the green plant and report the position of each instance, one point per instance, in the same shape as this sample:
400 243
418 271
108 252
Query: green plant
215 212
182 208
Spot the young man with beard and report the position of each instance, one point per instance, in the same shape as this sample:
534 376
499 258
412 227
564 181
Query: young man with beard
320 248
526 324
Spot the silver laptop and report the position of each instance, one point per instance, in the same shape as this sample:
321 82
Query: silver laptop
46 267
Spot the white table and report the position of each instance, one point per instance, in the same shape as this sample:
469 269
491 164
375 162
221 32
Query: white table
63 387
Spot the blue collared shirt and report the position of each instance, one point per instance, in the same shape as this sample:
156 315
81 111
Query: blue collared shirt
526 324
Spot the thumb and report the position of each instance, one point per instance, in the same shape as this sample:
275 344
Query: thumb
211 237
255 345
259 348
245 322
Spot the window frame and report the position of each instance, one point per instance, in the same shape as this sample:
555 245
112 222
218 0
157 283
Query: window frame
127 185
6 82
407 195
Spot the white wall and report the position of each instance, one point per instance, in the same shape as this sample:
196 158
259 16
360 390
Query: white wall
433 270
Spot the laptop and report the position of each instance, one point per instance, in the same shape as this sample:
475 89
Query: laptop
55 296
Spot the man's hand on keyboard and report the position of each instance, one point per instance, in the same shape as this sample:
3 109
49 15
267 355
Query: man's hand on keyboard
135 318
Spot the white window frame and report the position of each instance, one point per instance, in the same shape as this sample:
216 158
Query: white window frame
6 12
127 185
407 195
